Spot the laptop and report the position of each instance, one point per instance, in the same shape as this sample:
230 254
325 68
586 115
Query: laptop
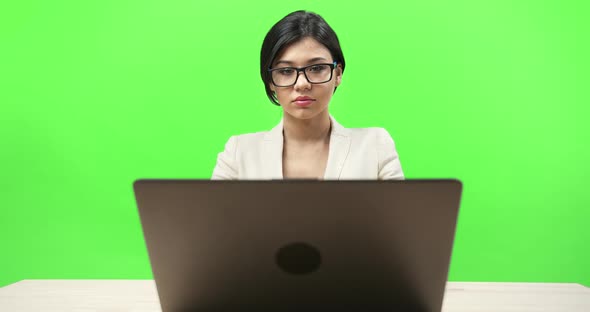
299 245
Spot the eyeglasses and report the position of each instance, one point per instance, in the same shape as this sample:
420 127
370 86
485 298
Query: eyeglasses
315 74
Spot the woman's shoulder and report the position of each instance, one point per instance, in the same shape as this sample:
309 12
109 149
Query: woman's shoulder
378 133
359 133
251 135
375 130
250 139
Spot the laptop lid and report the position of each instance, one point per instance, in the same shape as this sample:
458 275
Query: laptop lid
299 245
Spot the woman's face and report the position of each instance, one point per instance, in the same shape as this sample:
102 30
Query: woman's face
305 100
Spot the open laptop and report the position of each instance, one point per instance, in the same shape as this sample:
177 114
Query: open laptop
299 245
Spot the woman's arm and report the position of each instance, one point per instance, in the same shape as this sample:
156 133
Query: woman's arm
226 167
389 165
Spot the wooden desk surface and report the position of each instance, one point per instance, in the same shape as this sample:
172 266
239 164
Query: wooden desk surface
141 295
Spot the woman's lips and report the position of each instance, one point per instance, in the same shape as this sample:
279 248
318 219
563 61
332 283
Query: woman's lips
303 101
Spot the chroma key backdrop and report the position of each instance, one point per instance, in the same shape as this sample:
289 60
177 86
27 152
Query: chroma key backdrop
95 94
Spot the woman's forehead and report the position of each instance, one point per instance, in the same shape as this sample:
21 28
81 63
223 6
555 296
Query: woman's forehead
304 51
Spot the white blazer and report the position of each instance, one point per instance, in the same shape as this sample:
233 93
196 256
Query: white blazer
355 154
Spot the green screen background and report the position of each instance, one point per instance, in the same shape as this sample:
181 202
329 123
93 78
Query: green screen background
95 94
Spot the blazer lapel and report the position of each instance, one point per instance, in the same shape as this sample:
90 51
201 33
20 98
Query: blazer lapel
339 148
272 153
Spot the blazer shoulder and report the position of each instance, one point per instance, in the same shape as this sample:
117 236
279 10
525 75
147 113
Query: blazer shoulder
250 138
247 143
379 134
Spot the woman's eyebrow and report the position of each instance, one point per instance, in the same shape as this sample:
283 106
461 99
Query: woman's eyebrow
315 59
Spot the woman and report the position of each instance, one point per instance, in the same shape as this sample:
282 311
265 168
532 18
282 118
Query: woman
301 65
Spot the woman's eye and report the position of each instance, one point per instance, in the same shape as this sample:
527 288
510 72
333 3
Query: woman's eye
286 71
316 68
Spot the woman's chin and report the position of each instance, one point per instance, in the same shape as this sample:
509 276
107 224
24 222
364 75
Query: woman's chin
304 113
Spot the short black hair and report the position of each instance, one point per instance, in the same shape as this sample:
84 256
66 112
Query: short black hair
290 29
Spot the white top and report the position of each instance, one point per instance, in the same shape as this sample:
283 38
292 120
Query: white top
355 154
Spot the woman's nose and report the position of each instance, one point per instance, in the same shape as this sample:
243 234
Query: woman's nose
302 82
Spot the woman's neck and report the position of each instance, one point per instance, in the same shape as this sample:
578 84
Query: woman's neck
316 129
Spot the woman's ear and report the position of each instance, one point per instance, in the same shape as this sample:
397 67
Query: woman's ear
338 73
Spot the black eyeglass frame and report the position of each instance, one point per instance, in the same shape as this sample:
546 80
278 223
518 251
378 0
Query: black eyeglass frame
302 69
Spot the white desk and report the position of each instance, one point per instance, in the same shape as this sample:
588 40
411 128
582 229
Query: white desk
140 295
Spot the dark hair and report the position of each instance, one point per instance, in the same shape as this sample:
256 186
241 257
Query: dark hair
290 29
